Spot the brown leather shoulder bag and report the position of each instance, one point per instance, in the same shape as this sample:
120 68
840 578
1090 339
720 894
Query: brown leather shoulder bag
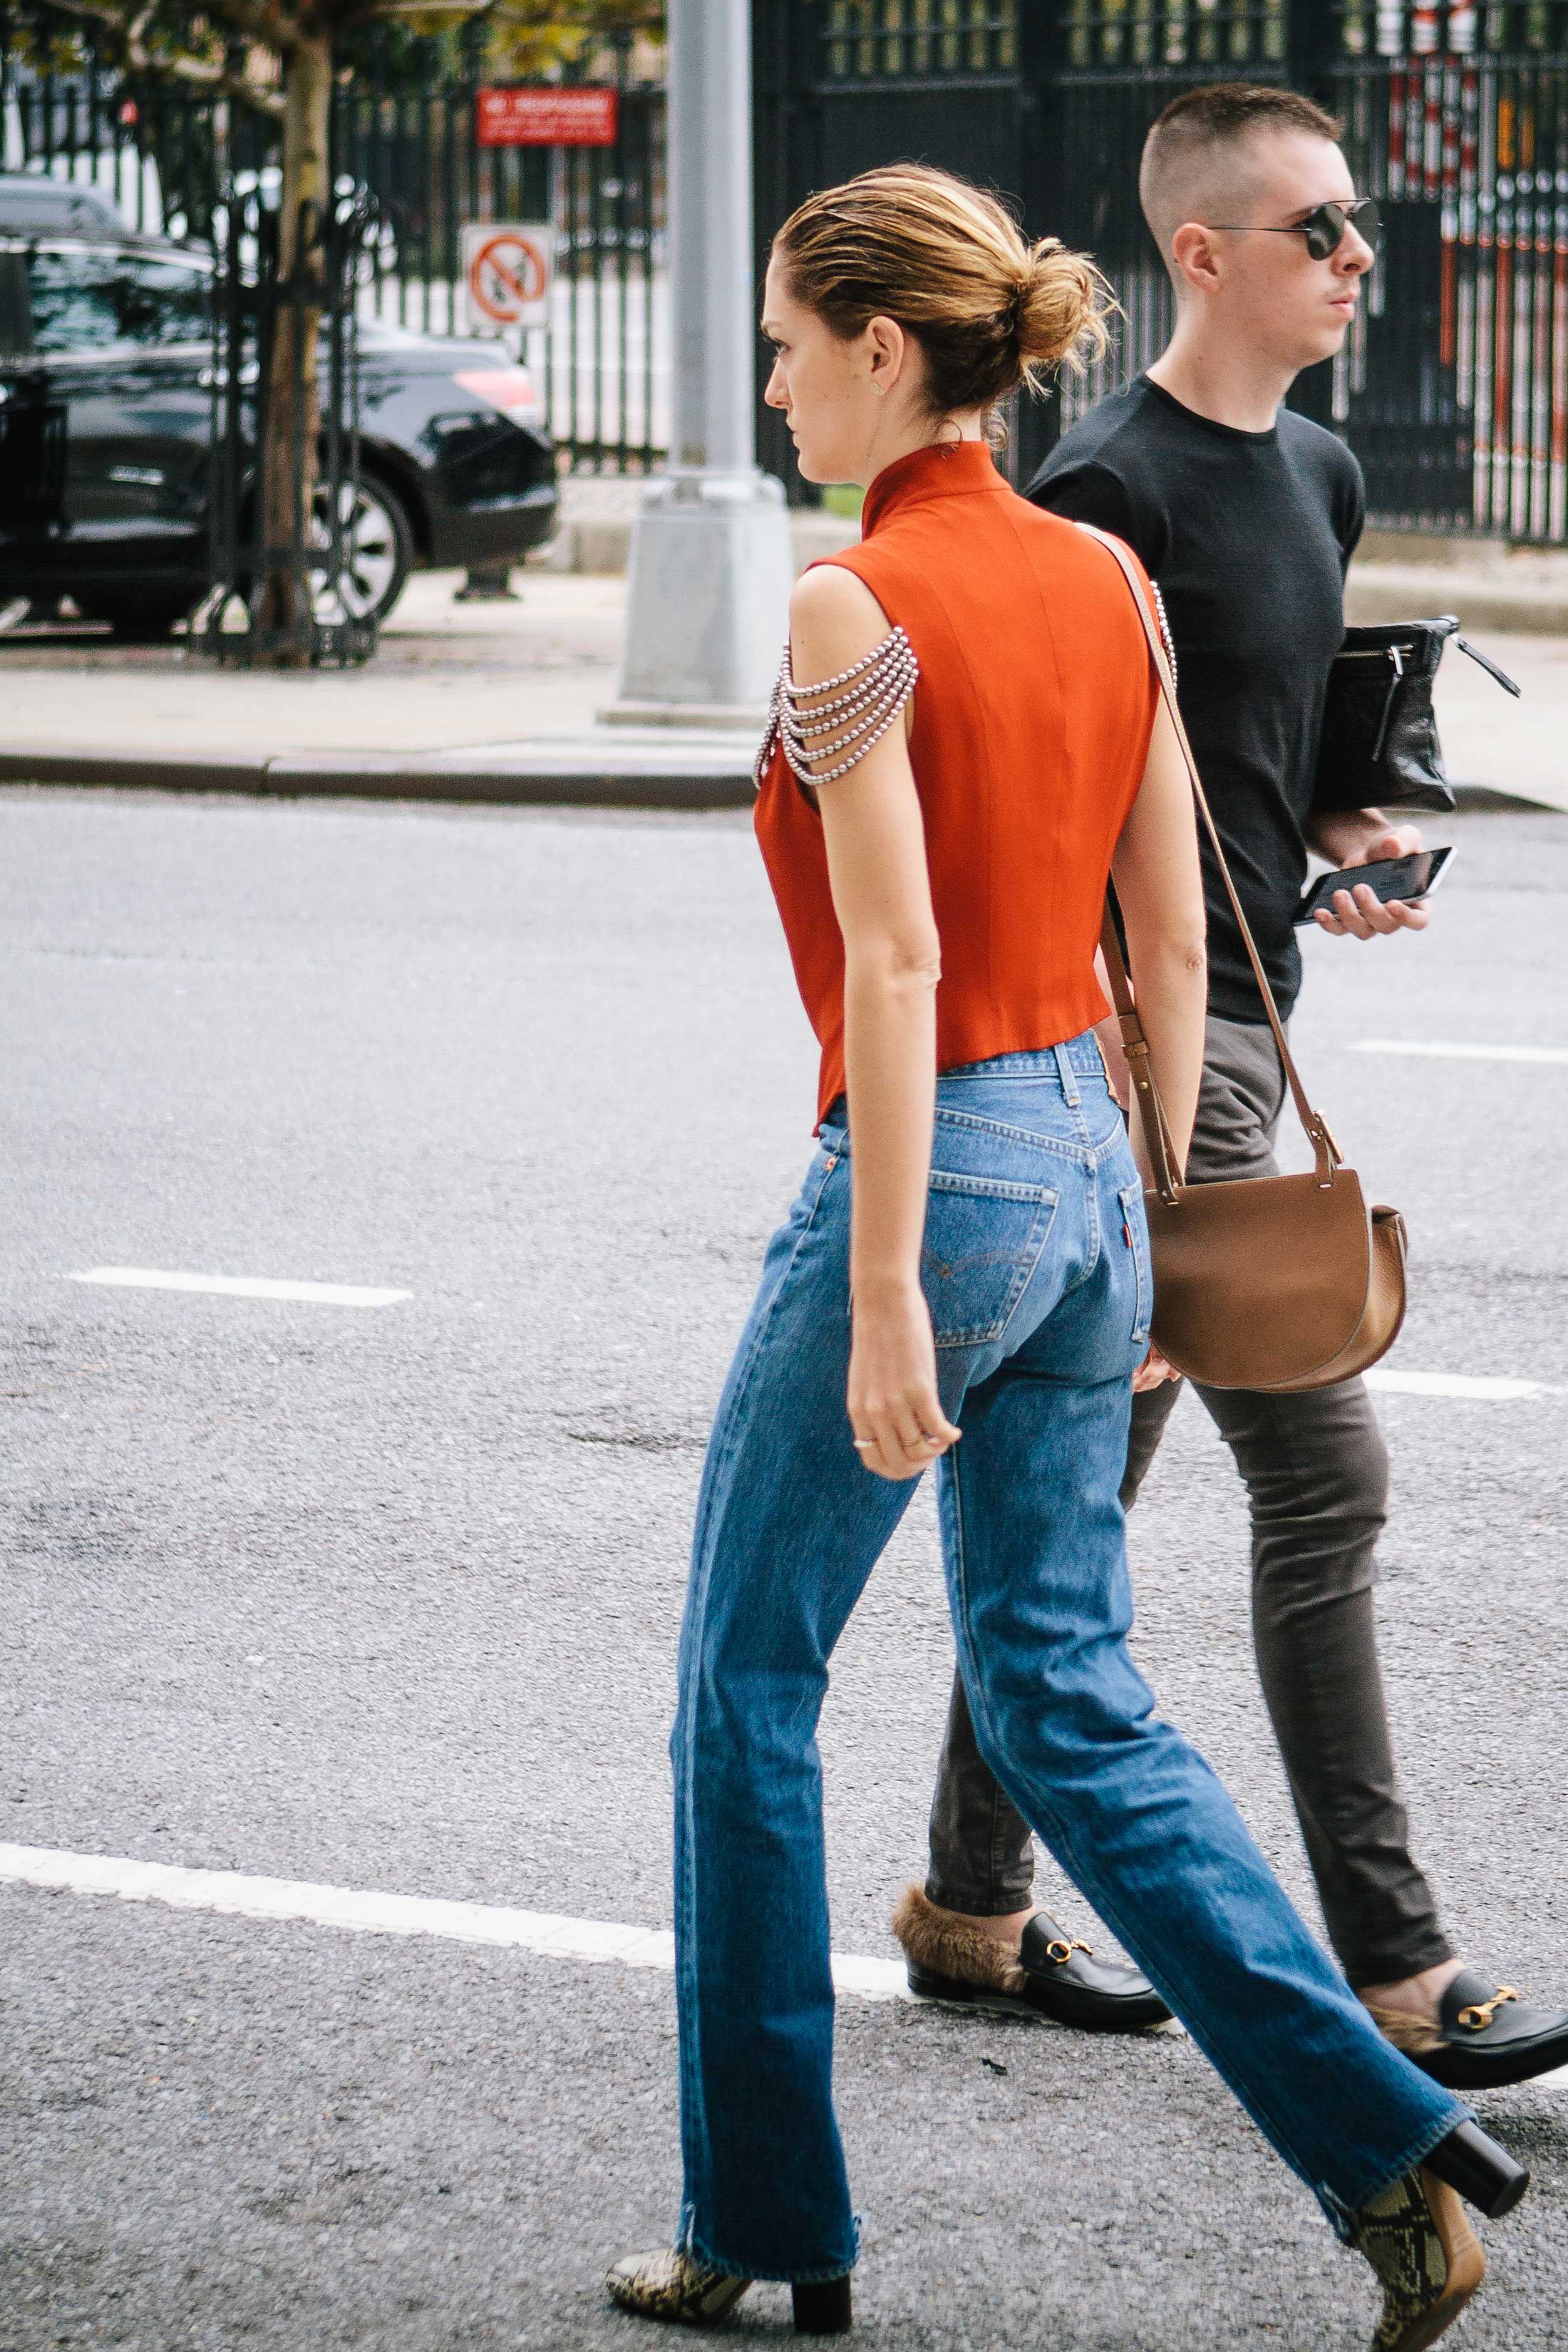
1274 1281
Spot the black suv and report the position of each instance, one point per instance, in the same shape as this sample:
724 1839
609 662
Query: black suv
104 334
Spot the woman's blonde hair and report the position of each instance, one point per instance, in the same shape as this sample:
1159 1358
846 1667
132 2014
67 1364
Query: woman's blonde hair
948 261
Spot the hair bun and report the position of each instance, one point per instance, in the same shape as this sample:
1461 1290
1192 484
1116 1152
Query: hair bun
1059 308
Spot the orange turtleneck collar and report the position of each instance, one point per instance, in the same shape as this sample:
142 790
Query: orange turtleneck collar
944 469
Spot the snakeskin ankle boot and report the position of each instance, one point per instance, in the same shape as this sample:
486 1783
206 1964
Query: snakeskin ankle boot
676 2286
1425 2252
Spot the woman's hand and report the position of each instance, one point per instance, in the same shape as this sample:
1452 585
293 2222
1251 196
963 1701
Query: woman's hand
1153 1373
895 1414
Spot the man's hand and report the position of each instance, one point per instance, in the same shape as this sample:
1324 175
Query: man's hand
1153 1373
1360 914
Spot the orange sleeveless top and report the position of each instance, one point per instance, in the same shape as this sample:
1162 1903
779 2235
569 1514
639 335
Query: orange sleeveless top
1032 719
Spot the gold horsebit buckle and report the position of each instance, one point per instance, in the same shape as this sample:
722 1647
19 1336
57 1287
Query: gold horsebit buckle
1479 2014
1059 1950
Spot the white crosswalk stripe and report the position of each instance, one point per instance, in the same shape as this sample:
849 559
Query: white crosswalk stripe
237 1894
241 1285
1441 1050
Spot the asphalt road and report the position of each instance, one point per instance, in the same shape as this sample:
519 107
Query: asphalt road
387 1598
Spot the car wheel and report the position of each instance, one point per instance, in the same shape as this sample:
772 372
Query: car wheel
377 552
137 620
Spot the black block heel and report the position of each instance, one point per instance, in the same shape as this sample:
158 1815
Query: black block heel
821 2307
1480 2170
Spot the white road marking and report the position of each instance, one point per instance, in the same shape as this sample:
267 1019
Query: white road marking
1484 1389
1442 1050
241 1286
387 1915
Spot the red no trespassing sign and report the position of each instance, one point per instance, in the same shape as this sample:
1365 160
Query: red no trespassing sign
547 116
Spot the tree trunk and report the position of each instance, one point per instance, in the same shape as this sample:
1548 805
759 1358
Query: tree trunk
287 457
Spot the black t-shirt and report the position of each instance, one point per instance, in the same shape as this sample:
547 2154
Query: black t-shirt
1249 536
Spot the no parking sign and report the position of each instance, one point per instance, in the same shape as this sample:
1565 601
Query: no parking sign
505 275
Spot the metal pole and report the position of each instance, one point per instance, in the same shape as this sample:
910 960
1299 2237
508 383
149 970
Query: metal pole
712 566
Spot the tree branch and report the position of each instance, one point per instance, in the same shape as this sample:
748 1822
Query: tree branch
262 21
187 72
264 24
100 11
191 73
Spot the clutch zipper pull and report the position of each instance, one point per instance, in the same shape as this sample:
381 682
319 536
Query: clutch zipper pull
1394 686
1491 667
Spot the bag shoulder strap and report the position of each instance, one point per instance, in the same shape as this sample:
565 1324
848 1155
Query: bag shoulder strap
1156 1127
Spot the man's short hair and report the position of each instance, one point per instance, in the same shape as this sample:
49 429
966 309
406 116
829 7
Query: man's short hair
1195 158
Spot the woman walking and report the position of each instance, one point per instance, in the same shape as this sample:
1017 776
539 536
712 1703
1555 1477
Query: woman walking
968 739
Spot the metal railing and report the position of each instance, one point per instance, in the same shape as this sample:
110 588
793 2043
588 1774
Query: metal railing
404 135
280 567
1453 388
1453 383
862 39
32 454
602 360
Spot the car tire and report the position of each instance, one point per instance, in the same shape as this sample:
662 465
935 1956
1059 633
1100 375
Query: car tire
136 620
379 544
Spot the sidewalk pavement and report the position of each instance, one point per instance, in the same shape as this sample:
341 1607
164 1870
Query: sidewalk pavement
499 702
484 702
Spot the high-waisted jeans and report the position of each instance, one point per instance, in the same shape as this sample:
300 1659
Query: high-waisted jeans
1317 1476
1035 1267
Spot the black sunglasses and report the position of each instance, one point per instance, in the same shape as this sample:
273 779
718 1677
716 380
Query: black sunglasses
1324 228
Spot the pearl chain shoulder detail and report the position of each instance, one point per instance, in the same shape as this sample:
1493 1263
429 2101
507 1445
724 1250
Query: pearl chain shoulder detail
1165 631
851 722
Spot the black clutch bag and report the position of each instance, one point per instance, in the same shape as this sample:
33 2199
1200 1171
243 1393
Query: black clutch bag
1379 747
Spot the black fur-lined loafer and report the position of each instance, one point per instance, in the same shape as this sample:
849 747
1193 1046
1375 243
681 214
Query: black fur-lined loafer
1051 1974
1065 1980
1485 2036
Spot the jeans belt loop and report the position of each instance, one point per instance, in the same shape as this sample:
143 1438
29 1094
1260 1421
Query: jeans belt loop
1069 1076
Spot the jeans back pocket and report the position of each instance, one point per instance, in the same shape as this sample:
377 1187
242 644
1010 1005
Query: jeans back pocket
984 1237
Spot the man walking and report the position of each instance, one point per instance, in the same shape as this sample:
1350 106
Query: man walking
1246 515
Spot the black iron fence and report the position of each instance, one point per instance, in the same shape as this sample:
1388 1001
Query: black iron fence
32 452
1454 385
603 358
285 369
404 135
1453 388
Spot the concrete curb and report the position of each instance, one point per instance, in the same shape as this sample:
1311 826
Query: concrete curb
687 783
693 779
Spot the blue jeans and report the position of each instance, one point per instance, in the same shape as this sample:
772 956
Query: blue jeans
1035 1267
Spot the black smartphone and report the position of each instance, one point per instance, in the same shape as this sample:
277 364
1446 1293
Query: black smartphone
1415 877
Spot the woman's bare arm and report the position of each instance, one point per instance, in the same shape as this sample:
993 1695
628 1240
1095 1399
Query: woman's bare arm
1160 886
882 895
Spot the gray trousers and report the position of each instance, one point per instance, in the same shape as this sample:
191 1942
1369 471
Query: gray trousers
1317 1473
